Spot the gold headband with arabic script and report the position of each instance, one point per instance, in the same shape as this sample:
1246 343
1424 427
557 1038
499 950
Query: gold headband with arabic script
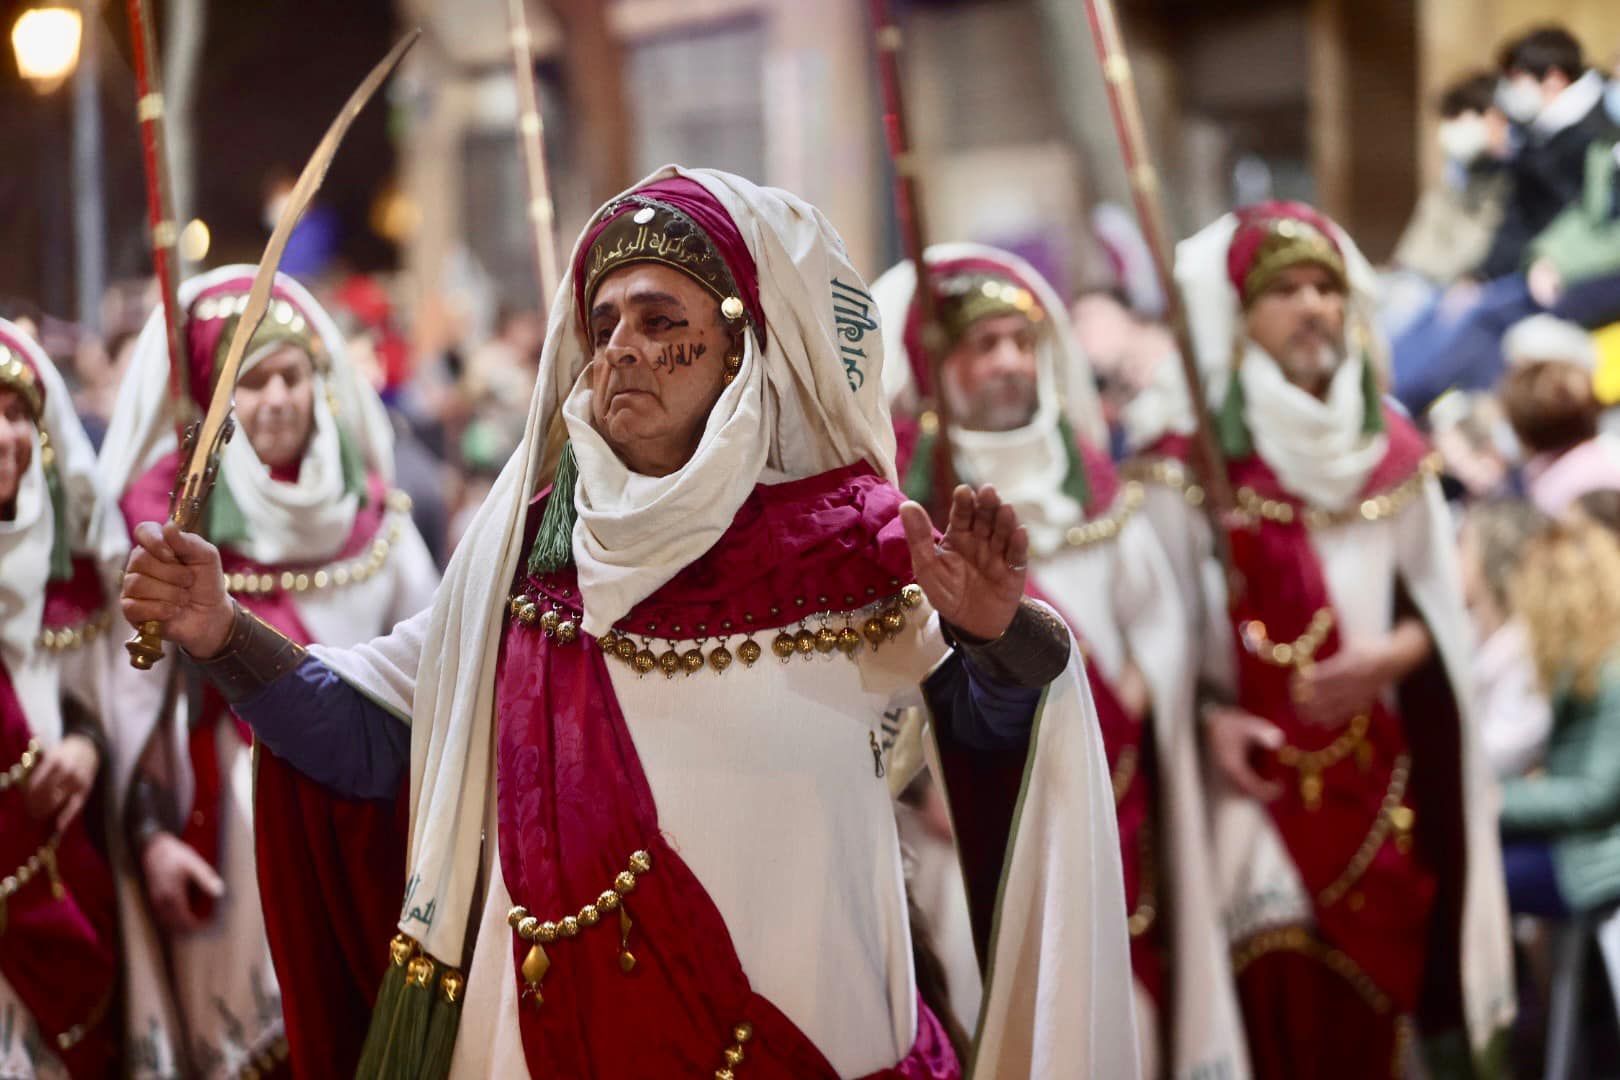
660 233
1289 243
17 374
966 298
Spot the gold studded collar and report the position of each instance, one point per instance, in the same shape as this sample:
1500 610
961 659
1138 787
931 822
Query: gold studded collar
336 575
1255 507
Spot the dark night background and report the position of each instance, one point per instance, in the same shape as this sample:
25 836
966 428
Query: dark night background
273 74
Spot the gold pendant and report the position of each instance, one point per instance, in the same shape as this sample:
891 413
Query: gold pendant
627 959
1310 790
535 966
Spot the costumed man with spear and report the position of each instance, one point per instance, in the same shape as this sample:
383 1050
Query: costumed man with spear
1357 864
316 543
61 546
650 828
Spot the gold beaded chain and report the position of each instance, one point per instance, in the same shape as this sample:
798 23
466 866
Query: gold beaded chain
1296 939
339 574
539 934
66 638
1100 530
884 621
1393 816
1147 911
40 862
1165 472
1300 655
734 1053
20 768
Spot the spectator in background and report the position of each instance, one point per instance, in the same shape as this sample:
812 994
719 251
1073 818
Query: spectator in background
1134 361
1476 444
1511 710
1556 100
1561 828
1455 221
496 386
1549 400
1558 248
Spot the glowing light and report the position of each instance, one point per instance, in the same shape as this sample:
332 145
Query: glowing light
194 240
46 41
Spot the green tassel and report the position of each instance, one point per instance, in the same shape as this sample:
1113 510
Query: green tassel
554 543
353 464
382 1021
223 521
1372 417
443 1024
61 542
1230 426
407 1035
918 483
1076 484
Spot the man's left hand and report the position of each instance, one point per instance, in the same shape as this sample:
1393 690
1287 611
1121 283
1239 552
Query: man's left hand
974 577
62 780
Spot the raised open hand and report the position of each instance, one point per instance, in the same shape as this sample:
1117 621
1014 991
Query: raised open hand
975 575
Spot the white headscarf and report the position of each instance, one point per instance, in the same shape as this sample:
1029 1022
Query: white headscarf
305 521
801 407
1316 447
1029 463
94 526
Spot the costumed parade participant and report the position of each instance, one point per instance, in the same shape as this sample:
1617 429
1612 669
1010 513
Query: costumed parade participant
316 544
653 685
61 549
1357 861
1024 417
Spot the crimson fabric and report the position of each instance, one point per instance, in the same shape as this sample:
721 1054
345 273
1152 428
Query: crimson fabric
330 870
1391 924
59 954
695 201
1254 226
912 332
1134 808
76 599
1305 1023
574 804
840 530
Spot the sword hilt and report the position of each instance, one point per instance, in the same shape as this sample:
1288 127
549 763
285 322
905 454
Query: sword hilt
146 647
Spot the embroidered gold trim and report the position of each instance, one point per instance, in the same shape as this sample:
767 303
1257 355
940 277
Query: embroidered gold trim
74 1035
339 574
883 620
20 768
1147 909
1393 816
734 1053
1102 529
1165 472
539 934
67 638
1296 939
40 863
15 374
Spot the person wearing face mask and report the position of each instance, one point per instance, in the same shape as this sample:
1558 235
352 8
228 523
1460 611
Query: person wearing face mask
1556 101
317 543
1455 221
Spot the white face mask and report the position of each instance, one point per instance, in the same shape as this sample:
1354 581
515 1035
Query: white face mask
1464 139
1520 98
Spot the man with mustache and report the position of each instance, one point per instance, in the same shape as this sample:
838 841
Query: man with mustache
1358 869
1024 416
638 844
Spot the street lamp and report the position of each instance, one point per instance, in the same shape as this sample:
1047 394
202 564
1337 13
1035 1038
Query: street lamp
46 41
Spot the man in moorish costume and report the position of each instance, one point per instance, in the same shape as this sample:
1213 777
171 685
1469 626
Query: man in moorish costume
657 686
1357 862
317 544
61 549
1025 417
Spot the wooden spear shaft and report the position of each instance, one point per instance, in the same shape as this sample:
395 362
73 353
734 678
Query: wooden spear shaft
1144 182
531 144
908 209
